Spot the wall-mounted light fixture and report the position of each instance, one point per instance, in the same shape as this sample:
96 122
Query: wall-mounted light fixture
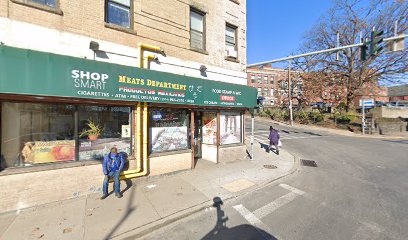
203 69
94 46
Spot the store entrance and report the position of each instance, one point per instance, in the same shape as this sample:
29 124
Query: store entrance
198 136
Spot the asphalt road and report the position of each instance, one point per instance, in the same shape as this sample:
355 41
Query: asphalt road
359 190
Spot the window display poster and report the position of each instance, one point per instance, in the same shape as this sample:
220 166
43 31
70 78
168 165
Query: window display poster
48 151
169 138
125 131
96 150
209 128
230 129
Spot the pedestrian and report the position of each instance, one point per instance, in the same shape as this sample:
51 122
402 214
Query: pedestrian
112 165
274 139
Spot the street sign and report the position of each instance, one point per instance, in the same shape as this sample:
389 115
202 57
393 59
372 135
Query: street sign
367 102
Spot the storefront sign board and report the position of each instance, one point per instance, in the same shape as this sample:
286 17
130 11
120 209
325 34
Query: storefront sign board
31 72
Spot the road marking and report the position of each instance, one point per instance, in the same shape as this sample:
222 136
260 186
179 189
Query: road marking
248 215
292 189
276 204
279 202
253 220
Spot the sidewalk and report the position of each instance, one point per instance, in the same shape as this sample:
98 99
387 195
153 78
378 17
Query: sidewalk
332 130
148 203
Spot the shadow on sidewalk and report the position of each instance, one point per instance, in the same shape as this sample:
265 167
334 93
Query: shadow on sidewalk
242 232
267 148
129 209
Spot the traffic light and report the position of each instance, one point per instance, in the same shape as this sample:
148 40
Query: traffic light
363 51
376 39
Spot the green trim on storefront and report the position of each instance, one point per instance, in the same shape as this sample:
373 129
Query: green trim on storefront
29 72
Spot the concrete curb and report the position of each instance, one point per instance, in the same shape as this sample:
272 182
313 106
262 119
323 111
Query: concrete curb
175 217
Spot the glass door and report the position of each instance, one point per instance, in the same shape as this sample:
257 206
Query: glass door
198 135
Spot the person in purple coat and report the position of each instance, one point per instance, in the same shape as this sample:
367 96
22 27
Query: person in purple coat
274 139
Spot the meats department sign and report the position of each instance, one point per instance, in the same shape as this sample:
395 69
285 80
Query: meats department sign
38 73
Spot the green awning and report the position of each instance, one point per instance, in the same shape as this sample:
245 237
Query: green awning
31 72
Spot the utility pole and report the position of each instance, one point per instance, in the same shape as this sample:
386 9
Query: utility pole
363 122
252 133
290 92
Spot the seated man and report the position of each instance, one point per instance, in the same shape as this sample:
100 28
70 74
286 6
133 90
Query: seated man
112 165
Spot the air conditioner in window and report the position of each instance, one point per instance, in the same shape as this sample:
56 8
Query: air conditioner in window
232 53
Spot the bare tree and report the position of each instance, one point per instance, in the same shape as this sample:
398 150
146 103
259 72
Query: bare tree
349 18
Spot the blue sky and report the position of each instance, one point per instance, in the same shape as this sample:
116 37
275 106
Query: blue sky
275 27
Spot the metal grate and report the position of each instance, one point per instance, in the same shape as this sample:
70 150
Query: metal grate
270 166
308 163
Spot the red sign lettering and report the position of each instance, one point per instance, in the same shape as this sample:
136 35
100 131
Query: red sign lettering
227 98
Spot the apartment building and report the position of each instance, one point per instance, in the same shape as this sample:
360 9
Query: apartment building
272 84
71 66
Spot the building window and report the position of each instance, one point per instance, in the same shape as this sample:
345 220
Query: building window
259 91
114 123
230 128
118 12
231 41
54 133
197 29
265 92
271 79
271 92
168 130
252 78
266 79
49 3
259 79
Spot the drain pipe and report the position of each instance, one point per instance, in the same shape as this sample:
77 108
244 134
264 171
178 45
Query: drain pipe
141 140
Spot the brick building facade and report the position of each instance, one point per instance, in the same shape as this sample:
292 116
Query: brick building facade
66 27
272 84
66 63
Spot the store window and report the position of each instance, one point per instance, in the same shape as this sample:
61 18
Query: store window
230 127
34 133
209 128
118 12
101 128
168 130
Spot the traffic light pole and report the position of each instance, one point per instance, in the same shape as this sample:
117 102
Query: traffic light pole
290 93
363 120
323 51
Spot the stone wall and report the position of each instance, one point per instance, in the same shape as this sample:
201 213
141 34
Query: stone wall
232 153
390 112
169 163
25 190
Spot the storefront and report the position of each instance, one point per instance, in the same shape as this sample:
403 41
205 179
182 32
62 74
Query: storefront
60 112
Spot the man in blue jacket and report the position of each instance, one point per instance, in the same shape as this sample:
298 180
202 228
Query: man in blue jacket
112 165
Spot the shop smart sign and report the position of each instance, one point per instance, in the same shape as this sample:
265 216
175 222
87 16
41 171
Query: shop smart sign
38 73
